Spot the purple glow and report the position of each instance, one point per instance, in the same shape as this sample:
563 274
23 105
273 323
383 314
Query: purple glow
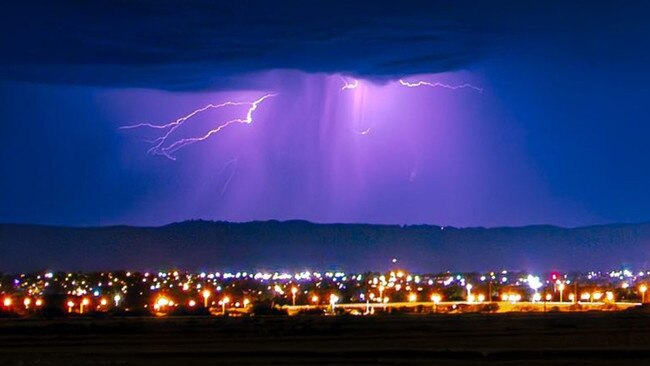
364 152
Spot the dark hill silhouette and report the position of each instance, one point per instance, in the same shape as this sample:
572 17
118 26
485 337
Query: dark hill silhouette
298 245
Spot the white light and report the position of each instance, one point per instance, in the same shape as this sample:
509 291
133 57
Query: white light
534 282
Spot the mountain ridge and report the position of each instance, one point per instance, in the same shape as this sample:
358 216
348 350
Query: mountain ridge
299 244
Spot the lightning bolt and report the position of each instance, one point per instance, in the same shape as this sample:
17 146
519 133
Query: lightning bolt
235 163
439 85
355 83
349 85
173 146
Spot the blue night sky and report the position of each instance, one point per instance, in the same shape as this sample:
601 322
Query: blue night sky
558 135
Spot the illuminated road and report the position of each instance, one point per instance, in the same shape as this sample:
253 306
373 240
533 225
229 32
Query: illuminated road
458 306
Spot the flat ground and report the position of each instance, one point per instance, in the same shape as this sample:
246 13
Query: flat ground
620 338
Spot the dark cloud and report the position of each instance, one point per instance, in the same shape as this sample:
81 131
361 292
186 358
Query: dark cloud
211 44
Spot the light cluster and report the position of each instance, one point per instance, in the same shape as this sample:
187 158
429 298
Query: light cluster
166 292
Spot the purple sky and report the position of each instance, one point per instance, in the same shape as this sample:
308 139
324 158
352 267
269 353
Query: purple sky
558 136
380 153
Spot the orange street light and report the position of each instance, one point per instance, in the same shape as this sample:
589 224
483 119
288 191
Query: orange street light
223 304
436 299
84 302
413 297
294 291
643 288
206 296
561 288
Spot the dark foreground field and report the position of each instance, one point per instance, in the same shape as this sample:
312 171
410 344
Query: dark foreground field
470 339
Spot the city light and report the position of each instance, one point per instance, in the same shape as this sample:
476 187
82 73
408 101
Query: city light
84 290
161 303
534 282
294 291
84 302
223 303
333 300
117 299
511 297
561 289
643 288
413 297
70 306
206 296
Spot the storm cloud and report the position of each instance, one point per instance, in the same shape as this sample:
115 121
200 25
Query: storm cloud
203 44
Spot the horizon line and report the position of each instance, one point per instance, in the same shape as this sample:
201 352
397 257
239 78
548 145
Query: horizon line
215 221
